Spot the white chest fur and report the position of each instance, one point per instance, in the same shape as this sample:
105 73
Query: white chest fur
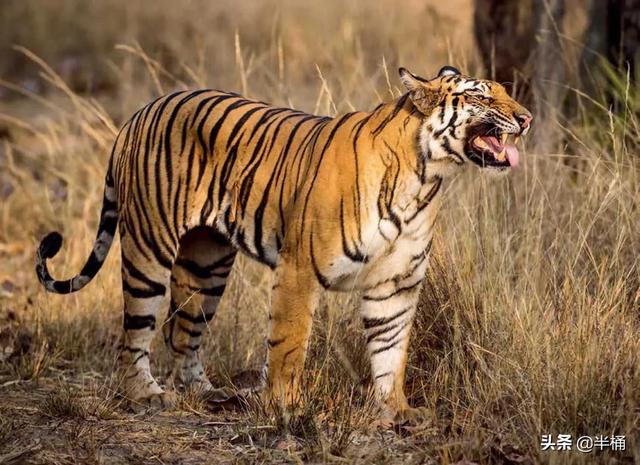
397 249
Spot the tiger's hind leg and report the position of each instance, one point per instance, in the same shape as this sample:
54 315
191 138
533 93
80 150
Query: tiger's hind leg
145 284
198 281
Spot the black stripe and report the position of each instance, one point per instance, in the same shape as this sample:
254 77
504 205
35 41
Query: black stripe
199 132
310 189
169 339
275 342
260 151
131 350
427 199
187 182
354 253
439 132
396 109
306 148
380 331
169 126
319 276
260 210
215 130
446 145
139 321
207 208
240 124
63 287
143 192
265 124
170 323
395 292
142 234
139 293
225 173
387 192
140 192
373 322
176 225
415 262
391 345
156 288
215 291
140 357
287 353
393 336
200 318
191 332
209 271
356 137
157 178
284 169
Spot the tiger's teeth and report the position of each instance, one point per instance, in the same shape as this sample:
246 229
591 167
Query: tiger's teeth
479 142
516 139
501 156
503 137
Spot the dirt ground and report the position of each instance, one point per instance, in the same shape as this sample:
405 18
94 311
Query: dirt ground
39 426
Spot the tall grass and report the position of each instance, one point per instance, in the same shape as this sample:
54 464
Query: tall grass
528 323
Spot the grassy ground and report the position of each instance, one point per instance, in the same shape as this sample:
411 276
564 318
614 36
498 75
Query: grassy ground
528 323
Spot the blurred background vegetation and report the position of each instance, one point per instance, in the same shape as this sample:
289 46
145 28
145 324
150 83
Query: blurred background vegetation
529 320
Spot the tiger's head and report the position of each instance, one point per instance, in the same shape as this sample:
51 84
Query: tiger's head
467 119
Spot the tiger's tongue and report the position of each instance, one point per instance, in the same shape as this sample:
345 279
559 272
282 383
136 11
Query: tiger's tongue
512 155
493 143
511 150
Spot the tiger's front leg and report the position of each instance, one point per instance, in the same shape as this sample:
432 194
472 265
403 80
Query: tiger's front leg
388 317
294 298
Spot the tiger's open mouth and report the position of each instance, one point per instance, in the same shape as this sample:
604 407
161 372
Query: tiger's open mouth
489 148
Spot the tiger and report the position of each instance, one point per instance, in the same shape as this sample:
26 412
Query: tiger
345 203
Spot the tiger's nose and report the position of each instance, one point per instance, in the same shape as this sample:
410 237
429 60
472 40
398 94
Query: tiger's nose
523 119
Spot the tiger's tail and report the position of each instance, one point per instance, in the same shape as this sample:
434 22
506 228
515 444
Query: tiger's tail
51 244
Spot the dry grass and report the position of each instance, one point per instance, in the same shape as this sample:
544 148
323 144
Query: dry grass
529 320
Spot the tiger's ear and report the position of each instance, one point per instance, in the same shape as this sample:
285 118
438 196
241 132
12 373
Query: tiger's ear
424 94
448 71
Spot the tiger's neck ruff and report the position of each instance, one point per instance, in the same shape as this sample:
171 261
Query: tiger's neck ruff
343 204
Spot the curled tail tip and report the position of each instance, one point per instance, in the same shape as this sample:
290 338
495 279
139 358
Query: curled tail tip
50 245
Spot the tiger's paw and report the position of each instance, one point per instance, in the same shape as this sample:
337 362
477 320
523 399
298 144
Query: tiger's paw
163 400
414 416
144 393
284 407
420 417
200 385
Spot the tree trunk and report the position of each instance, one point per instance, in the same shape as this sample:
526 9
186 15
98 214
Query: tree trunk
505 35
